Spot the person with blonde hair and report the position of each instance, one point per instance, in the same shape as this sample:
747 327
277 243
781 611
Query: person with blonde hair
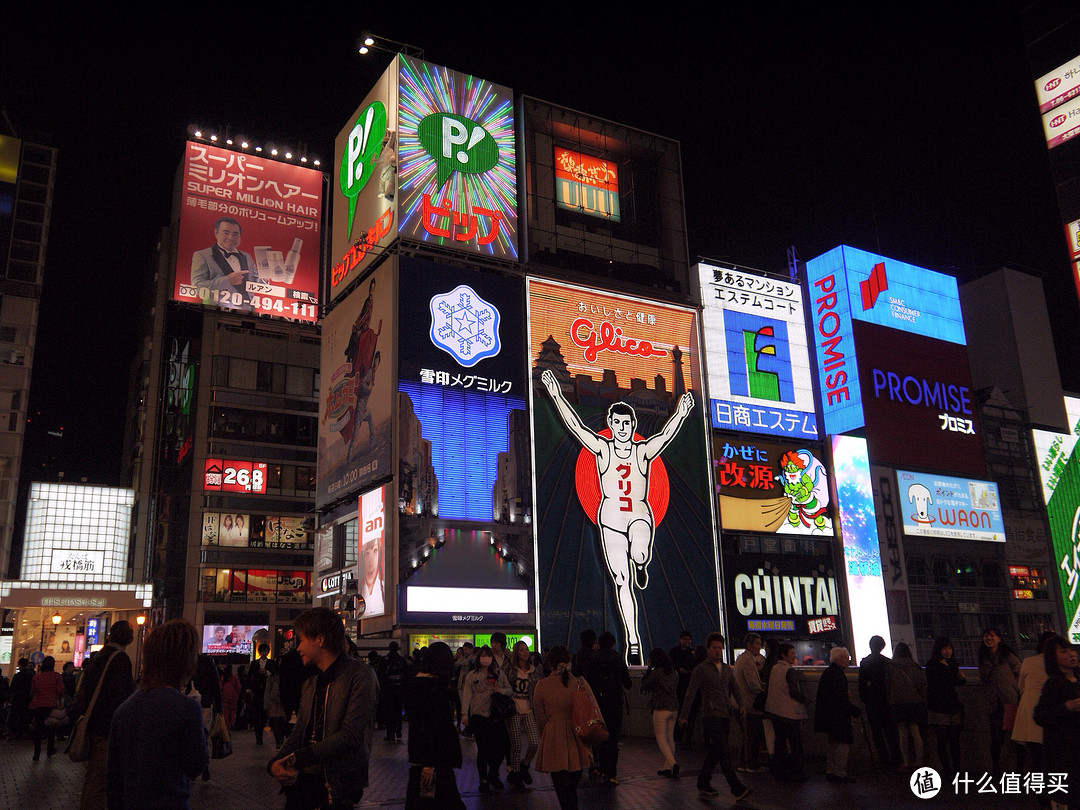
156 741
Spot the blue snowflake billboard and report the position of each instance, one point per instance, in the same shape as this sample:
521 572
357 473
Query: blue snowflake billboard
464 479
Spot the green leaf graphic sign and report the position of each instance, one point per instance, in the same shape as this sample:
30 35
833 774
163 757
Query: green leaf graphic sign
458 144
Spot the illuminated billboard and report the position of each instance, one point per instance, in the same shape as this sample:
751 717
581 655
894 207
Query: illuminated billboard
225 639
1059 470
371 552
364 184
917 400
756 353
858 533
618 430
780 593
587 184
227 475
249 236
256 531
1059 85
1061 123
768 487
356 397
463 452
940 505
457 160
78 533
846 285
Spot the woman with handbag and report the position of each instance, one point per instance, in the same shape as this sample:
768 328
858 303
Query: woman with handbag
46 690
483 682
562 752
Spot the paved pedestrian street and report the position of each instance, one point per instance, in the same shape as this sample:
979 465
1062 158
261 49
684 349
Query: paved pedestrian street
241 782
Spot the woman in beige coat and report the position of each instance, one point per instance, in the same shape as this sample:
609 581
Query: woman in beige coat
561 753
1032 679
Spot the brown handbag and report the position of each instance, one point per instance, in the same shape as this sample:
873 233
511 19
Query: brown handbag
585 717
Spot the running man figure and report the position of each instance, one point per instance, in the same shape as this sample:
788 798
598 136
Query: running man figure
624 516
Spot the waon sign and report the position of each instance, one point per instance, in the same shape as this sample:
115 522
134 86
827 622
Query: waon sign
224 475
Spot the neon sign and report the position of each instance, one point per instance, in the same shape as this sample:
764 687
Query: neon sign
587 184
465 326
222 475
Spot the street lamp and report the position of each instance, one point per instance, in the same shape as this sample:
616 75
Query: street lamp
139 620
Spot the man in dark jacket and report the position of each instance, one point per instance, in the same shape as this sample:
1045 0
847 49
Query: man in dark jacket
833 715
874 694
324 761
20 697
609 679
116 687
256 678
714 681
392 676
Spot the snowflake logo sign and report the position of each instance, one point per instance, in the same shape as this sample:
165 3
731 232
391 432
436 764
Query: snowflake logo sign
465 326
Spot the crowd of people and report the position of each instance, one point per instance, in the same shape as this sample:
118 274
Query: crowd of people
323 702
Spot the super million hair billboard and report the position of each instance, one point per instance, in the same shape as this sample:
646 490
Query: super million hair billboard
624 529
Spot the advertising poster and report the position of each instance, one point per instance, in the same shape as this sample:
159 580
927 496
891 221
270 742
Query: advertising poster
1059 469
941 505
372 585
862 551
464 495
791 595
756 352
226 475
226 529
846 285
1059 85
769 487
456 161
364 184
919 406
624 528
356 398
249 234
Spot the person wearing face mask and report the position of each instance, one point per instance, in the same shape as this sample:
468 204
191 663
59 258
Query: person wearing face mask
481 683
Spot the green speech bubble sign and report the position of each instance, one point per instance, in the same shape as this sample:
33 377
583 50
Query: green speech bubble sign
362 150
458 144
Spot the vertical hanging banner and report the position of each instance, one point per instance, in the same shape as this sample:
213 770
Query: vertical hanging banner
356 397
862 553
624 528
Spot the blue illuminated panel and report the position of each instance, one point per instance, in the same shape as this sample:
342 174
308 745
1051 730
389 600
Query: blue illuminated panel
467 431
847 283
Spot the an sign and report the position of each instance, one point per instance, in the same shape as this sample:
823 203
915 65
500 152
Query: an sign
1059 85
756 352
587 184
74 563
849 285
457 182
858 533
356 396
371 553
249 234
917 399
768 487
940 505
618 425
227 475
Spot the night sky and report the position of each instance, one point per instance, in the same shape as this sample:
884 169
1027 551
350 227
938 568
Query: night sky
912 132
